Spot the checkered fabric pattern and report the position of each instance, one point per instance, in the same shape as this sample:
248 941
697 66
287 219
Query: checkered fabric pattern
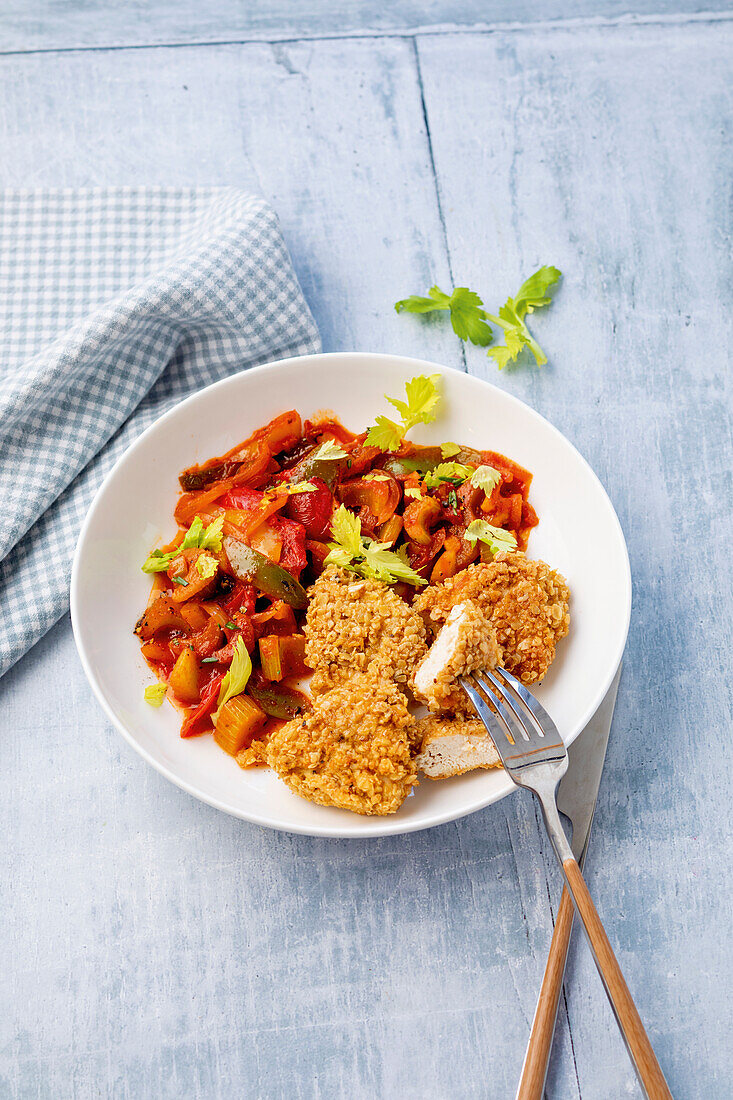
115 304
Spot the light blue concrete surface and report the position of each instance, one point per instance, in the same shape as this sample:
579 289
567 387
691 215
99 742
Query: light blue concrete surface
152 947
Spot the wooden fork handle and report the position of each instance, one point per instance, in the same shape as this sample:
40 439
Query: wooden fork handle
534 1070
647 1067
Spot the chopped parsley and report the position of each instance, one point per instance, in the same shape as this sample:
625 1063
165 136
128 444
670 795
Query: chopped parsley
467 315
496 538
420 407
449 450
329 452
470 320
455 473
155 694
531 295
197 536
349 549
206 566
486 478
301 487
235 680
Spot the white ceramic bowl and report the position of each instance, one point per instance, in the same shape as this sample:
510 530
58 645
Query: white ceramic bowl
579 534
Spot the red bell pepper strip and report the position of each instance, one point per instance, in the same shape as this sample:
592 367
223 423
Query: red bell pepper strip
195 722
314 509
293 556
241 598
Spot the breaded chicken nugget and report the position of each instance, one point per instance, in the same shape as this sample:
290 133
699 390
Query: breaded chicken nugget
527 602
452 746
466 642
353 625
352 750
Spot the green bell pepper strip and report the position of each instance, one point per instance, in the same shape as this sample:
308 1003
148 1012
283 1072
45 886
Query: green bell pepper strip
268 577
279 702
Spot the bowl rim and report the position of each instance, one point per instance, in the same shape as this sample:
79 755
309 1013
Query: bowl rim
378 825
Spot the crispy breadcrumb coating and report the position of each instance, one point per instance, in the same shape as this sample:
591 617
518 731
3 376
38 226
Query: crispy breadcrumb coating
466 642
255 756
452 746
355 625
352 750
526 600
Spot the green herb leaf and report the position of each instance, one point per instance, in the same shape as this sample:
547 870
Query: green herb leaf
454 472
329 452
420 407
351 550
422 398
453 500
204 538
413 492
209 660
531 295
415 304
206 566
503 355
235 681
449 450
388 565
301 487
376 476
180 580
209 538
385 434
496 538
346 531
158 562
194 533
155 694
231 626
486 478
467 316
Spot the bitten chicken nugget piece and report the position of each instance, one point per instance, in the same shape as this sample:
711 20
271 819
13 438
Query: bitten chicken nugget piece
466 642
526 600
452 746
355 625
352 750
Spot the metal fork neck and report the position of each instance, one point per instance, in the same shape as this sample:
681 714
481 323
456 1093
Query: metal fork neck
545 781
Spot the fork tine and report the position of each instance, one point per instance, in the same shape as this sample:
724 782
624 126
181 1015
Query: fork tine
516 751
538 712
512 699
521 730
499 733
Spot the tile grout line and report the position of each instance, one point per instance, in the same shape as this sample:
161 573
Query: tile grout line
622 22
431 154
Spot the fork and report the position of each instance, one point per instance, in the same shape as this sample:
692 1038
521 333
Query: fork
534 756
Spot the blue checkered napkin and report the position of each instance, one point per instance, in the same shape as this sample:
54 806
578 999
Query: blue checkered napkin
114 305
